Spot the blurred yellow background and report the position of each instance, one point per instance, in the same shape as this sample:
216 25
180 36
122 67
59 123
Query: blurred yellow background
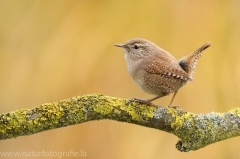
52 50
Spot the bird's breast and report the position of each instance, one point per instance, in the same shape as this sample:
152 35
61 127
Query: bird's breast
133 65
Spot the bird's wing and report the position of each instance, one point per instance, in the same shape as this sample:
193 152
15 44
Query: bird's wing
189 62
166 68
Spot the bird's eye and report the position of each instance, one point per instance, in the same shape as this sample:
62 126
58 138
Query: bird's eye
136 46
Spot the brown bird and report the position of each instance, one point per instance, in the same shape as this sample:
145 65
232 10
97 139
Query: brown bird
155 70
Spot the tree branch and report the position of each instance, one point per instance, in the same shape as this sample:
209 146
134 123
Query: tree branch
194 130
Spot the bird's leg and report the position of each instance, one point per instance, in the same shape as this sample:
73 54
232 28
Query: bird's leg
170 104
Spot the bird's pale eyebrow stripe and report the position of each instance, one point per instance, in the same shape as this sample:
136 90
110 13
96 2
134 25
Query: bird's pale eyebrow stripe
146 44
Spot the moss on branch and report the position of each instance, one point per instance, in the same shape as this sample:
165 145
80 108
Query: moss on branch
194 130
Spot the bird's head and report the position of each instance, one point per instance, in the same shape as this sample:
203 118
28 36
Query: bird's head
138 48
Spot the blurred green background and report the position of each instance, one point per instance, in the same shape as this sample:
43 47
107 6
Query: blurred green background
55 49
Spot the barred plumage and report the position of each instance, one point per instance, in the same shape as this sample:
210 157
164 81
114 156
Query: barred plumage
155 70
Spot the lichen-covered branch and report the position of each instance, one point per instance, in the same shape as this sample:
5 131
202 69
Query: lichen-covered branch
194 130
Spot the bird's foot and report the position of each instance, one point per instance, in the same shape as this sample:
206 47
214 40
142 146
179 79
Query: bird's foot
142 101
175 107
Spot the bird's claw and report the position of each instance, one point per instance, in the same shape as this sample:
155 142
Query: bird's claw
174 107
142 101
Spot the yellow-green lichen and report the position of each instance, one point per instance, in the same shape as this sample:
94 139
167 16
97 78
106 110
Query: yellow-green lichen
180 118
102 107
235 111
188 115
138 112
172 111
117 111
194 130
178 123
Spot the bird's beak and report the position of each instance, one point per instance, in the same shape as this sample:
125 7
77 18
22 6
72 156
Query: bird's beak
120 45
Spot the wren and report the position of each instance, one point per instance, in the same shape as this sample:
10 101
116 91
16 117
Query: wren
155 70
